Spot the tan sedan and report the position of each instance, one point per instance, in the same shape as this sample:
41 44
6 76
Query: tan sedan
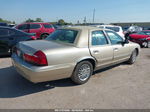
72 52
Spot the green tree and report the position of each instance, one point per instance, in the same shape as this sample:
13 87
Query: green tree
1 20
29 20
6 21
38 20
13 22
61 22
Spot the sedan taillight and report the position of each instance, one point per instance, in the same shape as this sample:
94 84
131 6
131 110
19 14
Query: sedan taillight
38 58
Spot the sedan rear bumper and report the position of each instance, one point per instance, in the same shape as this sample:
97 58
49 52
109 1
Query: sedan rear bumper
41 74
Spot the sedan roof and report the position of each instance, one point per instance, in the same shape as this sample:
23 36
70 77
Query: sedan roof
83 28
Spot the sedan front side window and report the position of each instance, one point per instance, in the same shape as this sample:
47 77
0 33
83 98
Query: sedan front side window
114 37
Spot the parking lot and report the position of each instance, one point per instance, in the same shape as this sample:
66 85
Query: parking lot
118 87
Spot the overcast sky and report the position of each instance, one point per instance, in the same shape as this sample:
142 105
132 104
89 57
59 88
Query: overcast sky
106 11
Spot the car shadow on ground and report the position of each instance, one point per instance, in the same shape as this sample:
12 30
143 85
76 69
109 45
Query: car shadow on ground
14 85
108 68
5 56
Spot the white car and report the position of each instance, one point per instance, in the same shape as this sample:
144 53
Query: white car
117 29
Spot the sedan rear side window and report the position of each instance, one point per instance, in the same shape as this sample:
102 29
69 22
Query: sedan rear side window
66 36
98 38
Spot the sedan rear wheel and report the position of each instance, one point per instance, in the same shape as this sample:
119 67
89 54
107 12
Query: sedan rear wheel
82 72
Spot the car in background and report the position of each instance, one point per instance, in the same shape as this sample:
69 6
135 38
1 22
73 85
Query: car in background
41 30
125 28
11 25
3 24
9 37
56 26
146 28
142 38
72 52
132 29
117 29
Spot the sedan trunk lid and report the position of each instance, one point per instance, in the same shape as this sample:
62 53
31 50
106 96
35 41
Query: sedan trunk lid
31 47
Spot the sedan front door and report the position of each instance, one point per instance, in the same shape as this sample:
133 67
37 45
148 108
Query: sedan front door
121 51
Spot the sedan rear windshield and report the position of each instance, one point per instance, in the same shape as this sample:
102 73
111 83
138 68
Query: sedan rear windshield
63 35
116 29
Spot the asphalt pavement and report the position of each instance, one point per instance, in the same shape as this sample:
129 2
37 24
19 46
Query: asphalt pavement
119 87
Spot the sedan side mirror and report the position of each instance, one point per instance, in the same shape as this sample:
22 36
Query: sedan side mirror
126 41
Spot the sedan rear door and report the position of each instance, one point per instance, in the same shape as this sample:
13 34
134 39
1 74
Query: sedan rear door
101 48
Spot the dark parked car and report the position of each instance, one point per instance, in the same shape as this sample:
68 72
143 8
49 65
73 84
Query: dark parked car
3 24
9 37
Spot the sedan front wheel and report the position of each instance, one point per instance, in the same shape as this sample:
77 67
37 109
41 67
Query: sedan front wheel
133 57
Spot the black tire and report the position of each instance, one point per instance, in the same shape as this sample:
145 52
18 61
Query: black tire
4 50
133 57
148 44
43 36
81 70
144 44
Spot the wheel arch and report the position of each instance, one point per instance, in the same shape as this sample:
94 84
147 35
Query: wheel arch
90 59
44 33
137 51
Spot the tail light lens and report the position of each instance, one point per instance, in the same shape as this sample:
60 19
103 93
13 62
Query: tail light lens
38 58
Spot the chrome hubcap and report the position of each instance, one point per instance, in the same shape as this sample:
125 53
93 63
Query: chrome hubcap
145 44
84 72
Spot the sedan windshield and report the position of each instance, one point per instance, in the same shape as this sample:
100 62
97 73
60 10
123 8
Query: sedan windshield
147 32
63 35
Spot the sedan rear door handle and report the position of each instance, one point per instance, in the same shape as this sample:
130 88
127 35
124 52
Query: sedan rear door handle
95 51
116 49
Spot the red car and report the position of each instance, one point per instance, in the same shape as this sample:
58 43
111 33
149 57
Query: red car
41 30
142 38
